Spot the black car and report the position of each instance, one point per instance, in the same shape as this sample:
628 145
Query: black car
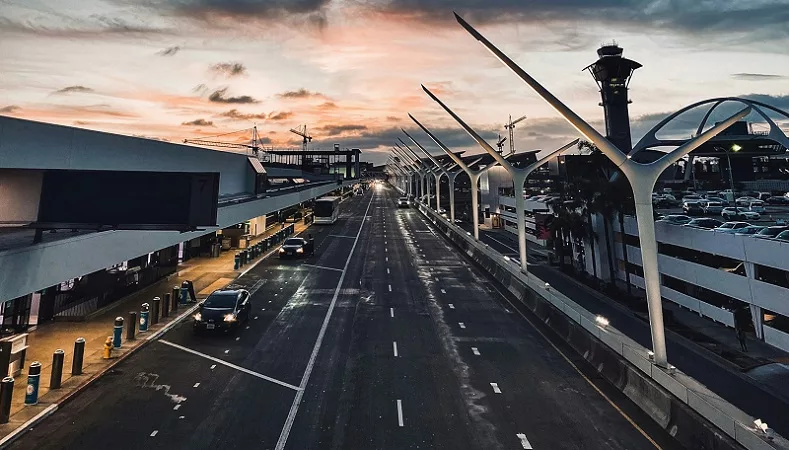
224 310
296 247
706 223
692 209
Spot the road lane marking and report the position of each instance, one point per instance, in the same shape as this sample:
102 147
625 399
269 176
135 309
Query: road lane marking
443 291
503 244
436 278
495 387
399 412
196 384
387 270
231 365
394 347
524 442
213 366
451 306
177 407
227 351
314 266
386 250
462 325
294 408
256 317
387 259
238 338
391 312
154 433
342 236
390 288
385 242
475 351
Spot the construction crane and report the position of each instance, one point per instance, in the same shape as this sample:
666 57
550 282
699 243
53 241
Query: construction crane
500 143
511 127
254 144
302 131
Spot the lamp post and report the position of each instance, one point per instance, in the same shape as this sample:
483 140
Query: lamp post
734 148
417 167
428 170
437 174
642 178
473 175
518 175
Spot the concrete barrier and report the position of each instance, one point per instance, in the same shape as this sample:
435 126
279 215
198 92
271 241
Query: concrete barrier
695 416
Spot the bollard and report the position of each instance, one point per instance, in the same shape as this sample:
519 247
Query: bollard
33 379
79 355
176 296
184 294
166 305
6 391
131 327
237 262
117 331
57 369
107 352
156 305
145 311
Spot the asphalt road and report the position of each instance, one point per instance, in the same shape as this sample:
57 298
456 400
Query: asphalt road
386 339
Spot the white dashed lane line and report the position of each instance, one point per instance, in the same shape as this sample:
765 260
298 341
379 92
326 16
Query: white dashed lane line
394 348
400 412
154 433
462 325
177 407
213 366
443 291
496 388
196 385
451 306
475 351
390 288
391 312
524 442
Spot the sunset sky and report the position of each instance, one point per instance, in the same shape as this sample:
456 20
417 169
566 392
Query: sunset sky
351 69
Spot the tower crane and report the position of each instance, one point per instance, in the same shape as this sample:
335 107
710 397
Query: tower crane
500 143
511 127
254 144
301 130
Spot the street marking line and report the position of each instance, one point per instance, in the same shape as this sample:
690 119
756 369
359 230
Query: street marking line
387 270
436 278
605 397
227 351
154 433
387 259
386 249
394 347
462 325
495 387
524 442
517 252
213 366
342 236
177 407
390 288
231 365
294 408
196 384
475 351
451 306
315 266
399 412
391 312
443 291
238 338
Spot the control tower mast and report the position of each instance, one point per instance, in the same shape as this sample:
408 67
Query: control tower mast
612 73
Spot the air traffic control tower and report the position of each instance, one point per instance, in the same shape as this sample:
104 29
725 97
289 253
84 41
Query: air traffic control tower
612 73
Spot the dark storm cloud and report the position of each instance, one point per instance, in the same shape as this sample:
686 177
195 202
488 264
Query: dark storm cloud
169 51
10 109
218 96
199 123
74 89
334 130
229 69
756 76
235 114
280 115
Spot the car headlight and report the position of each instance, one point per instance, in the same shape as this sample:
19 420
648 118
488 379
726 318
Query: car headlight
198 317
281 250
299 250
230 317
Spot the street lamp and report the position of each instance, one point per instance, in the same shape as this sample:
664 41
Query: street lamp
518 175
642 178
418 168
425 170
437 172
734 148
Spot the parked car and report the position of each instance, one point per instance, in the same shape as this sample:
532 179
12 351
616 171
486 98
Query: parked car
783 236
295 247
710 207
732 213
721 200
745 201
692 209
771 232
676 219
224 309
704 222
777 200
751 230
732 227
757 206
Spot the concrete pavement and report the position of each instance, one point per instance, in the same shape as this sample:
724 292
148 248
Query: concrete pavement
386 338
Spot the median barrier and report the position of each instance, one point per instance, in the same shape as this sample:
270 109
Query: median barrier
695 416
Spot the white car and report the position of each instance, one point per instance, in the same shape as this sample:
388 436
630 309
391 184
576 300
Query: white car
757 206
745 201
739 213
731 227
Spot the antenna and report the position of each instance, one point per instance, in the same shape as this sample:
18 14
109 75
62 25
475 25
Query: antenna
510 125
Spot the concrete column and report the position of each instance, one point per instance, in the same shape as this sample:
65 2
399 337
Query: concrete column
451 178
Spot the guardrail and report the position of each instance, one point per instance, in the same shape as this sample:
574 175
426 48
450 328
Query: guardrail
734 422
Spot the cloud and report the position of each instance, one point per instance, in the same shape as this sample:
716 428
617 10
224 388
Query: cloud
229 69
327 105
238 115
393 119
199 123
241 10
10 109
264 139
301 93
74 89
756 76
334 130
61 25
280 115
218 96
169 51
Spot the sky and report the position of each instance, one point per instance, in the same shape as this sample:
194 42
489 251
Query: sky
351 70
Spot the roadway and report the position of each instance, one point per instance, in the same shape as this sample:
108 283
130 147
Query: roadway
386 339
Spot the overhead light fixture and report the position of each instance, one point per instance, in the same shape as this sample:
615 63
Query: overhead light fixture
602 321
735 148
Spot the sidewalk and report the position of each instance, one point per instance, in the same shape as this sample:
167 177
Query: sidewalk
207 274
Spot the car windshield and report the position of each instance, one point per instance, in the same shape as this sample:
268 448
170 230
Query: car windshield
783 235
294 241
727 225
221 300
